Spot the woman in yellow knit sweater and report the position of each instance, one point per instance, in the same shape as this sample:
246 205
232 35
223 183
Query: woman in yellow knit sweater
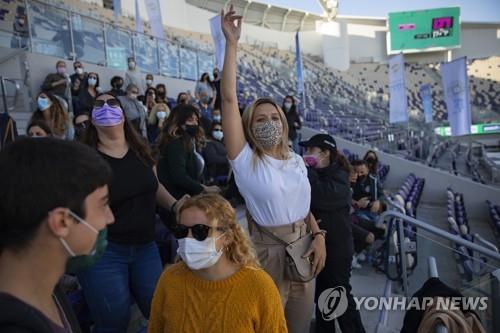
218 285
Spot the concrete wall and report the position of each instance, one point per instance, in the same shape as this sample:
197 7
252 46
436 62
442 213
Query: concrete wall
436 181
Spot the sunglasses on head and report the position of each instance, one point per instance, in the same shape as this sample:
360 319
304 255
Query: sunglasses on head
99 103
199 231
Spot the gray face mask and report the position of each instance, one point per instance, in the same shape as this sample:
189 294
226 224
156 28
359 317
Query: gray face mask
268 134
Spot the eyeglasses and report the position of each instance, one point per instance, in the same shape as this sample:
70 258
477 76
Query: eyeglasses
199 231
99 103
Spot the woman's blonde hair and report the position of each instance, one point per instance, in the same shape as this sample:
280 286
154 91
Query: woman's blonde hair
152 120
221 214
258 149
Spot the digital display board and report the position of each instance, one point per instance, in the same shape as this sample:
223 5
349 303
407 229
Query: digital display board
423 30
474 129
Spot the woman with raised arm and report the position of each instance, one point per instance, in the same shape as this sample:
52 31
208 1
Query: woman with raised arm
273 180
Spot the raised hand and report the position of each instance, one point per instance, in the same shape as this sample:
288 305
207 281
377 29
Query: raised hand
231 31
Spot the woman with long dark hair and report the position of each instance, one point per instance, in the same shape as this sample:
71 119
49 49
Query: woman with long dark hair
328 172
50 109
371 159
131 266
293 120
180 166
87 95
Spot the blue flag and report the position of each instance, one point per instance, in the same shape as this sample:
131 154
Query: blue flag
456 95
138 20
425 94
117 8
298 60
398 103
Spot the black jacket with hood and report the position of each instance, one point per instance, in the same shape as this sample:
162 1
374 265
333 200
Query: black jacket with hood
330 203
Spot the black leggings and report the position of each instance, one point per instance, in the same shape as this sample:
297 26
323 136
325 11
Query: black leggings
337 272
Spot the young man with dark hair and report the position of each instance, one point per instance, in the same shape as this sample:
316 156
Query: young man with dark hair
53 216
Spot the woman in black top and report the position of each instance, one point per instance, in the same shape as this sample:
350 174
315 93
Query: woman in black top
180 166
328 173
131 265
293 119
215 155
88 94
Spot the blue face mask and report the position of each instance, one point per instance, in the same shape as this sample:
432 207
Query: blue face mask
217 118
43 103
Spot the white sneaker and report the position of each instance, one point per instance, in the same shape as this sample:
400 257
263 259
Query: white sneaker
355 264
361 257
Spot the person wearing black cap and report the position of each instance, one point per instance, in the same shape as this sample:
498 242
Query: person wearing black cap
328 172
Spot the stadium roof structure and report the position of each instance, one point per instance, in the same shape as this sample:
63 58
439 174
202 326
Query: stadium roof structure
265 15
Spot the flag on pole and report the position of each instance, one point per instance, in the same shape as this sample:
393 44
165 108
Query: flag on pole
456 95
117 8
298 60
154 15
398 103
139 28
425 94
219 41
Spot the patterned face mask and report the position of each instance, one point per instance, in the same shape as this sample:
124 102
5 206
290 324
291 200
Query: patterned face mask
268 134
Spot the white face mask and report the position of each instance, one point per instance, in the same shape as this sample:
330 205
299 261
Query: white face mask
287 105
79 71
161 114
199 255
149 82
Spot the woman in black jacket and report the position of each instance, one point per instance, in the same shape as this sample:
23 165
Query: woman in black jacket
293 120
215 155
328 173
179 163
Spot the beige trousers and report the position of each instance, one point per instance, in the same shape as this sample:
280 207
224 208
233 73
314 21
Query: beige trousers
297 297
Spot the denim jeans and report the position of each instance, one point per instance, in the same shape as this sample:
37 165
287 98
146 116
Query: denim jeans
124 273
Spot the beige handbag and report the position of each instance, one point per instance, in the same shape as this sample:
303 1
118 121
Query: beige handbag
297 269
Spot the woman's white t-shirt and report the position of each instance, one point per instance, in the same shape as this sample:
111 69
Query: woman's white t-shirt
276 192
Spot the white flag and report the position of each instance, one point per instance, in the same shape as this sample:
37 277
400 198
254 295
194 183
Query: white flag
398 103
456 95
219 41
154 14
138 20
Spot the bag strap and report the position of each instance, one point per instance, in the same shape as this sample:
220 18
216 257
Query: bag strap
251 220
270 234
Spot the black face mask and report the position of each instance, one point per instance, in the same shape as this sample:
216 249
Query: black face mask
118 86
160 93
191 130
81 129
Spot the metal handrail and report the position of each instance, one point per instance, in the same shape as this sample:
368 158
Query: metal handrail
399 218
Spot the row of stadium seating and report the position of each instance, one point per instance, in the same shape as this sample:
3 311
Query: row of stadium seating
469 265
495 217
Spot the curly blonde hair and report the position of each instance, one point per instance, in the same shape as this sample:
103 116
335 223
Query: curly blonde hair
221 214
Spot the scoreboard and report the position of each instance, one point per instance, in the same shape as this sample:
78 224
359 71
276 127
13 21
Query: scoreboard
423 30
